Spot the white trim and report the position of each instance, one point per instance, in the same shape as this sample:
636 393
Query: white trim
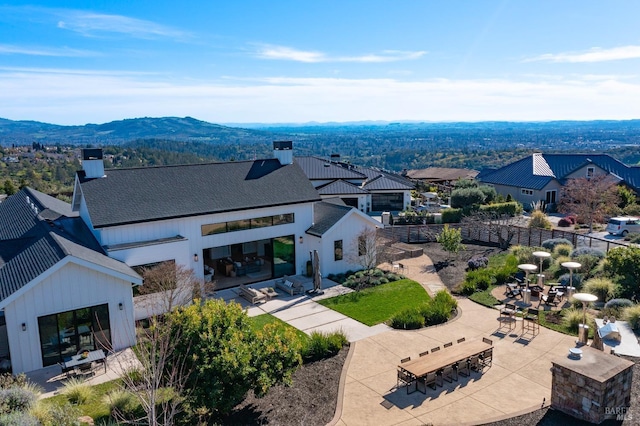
69 259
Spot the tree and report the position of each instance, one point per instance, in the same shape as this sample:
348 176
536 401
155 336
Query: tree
498 226
589 198
466 197
450 239
9 187
226 358
367 250
623 265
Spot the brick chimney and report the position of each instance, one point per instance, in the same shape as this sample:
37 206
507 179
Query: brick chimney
92 163
283 152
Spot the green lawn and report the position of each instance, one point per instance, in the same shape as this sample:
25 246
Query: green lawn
485 297
94 407
375 305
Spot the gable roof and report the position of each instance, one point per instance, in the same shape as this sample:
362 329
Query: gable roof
383 182
441 173
136 195
537 170
36 234
340 187
326 214
320 169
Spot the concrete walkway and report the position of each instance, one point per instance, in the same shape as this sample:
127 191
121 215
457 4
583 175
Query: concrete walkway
305 313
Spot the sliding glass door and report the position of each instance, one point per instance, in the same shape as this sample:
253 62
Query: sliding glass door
65 333
284 256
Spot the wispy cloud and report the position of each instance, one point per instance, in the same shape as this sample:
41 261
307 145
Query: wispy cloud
67 96
90 24
290 54
595 54
8 49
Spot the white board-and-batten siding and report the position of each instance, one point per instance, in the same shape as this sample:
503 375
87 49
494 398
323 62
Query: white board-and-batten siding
70 287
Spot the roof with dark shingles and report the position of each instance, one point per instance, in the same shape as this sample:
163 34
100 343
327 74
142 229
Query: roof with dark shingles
536 170
384 182
340 187
317 169
441 173
31 242
325 215
155 193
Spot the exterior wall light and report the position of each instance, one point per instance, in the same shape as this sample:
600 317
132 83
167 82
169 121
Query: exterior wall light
301 240
120 306
24 326
195 257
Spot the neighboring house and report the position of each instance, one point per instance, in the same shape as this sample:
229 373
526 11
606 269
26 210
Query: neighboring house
365 188
540 177
442 178
59 291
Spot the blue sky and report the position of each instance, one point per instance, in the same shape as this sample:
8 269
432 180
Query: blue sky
77 62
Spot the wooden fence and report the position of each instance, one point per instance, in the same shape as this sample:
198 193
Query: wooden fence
521 235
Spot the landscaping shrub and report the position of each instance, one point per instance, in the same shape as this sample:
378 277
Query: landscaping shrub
489 192
565 278
551 243
8 380
562 250
466 197
16 399
77 391
509 208
589 264
539 220
591 251
121 403
604 288
523 253
556 269
477 262
480 278
572 317
18 418
623 265
615 307
56 415
451 215
564 223
631 314
323 345
466 288
633 237
408 319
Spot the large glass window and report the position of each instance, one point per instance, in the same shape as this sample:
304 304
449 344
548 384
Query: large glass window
284 256
337 250
240 225
66 333
382 202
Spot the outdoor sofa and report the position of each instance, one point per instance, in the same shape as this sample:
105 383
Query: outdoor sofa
290 285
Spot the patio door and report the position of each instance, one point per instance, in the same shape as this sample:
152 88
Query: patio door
65 333
284 256
551 197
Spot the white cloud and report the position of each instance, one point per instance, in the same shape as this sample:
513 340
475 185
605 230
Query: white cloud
8 49
595 54
290 54
91 24
76 97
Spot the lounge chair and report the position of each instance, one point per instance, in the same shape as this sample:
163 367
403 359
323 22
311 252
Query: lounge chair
513 291
549 299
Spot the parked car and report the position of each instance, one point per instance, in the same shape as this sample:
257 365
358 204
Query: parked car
623 225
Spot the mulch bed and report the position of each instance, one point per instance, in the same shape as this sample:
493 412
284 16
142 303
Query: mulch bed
312 398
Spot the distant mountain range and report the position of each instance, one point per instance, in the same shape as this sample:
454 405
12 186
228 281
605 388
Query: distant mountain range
116 132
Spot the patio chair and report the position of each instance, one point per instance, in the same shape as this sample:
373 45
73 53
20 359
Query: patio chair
424 353
488 341
520 278
549 299
403 360
66 370
474 363
531 321
402 267
509 311
447 345
428 380
405 379
513 292
85 369
448 373
460 340
463 368
436 349
486 358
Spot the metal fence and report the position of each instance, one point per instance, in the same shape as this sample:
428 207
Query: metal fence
521 235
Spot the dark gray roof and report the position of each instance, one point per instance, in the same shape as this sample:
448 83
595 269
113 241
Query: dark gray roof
325 215
155 193
320 169
383 182
35 234
340 187
537 170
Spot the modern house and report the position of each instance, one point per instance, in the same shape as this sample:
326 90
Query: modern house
59 291
365 188
540 177
443 178
67 271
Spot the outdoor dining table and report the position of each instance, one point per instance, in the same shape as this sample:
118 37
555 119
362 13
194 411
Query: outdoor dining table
437 360
92 356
